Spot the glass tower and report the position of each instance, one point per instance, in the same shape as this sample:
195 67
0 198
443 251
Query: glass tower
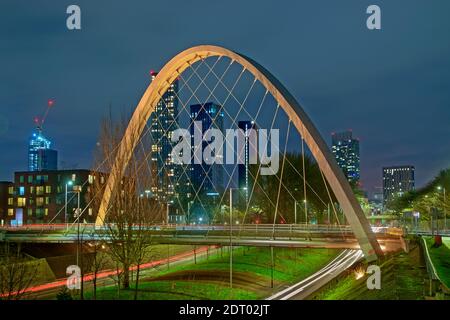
40 155
206 179
163 123
346 151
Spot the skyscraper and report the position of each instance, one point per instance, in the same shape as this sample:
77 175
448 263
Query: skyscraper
346 151
207 179
396 181
40 155
163 123
245 180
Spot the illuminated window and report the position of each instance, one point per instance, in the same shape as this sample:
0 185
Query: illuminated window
31 189
47 200
48 189
30 179
21 202
91 179
11 190
21 191
30 212
10 201
40 201
90 211
10 212
74 177
40 190
21 179
46 211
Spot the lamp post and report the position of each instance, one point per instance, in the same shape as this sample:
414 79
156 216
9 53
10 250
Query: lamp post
306 212
167 214
188 213
69 183
295 211
77 190
231 236
443 207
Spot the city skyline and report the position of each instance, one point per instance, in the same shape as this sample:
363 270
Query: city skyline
338 97
229 152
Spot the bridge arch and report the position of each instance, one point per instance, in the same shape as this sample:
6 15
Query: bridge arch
334 175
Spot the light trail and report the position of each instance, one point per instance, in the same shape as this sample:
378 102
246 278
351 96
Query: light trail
108 273
342 262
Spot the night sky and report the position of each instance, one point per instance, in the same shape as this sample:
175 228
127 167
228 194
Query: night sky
391 87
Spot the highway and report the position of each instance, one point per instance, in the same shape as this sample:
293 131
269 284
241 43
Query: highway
306 287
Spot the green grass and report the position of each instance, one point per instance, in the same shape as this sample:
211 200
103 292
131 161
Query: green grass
175 290
208 279
441 258
289 266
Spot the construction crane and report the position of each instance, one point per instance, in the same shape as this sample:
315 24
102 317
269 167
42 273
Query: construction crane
39 121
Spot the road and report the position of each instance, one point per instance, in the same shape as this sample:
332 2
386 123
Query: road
106 277
306 236
306 287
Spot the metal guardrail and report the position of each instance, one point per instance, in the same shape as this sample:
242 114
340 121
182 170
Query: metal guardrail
428 262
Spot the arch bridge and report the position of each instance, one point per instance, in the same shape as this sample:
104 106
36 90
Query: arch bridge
296 114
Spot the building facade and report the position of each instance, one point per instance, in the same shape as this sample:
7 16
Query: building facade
168 185
346 151
41 156
206 179
40 197
396 181
6 193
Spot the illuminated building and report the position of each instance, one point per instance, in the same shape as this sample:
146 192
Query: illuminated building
163 123
346 151
396 181
6 200
207 179
39 197
40 155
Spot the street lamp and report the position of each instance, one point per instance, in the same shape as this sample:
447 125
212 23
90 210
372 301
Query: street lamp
231 236
77 190
295 211
306 212
188 220
69 183
443 207
167 214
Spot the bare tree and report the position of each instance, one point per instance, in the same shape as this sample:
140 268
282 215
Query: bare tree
97 261
130 215
16 276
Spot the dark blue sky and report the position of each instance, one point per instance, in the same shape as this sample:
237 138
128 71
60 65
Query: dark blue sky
392 87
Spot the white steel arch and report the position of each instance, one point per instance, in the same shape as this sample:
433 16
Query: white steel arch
299 118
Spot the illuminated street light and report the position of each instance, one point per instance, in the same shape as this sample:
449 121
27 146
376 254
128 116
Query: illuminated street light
443 207
68 183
